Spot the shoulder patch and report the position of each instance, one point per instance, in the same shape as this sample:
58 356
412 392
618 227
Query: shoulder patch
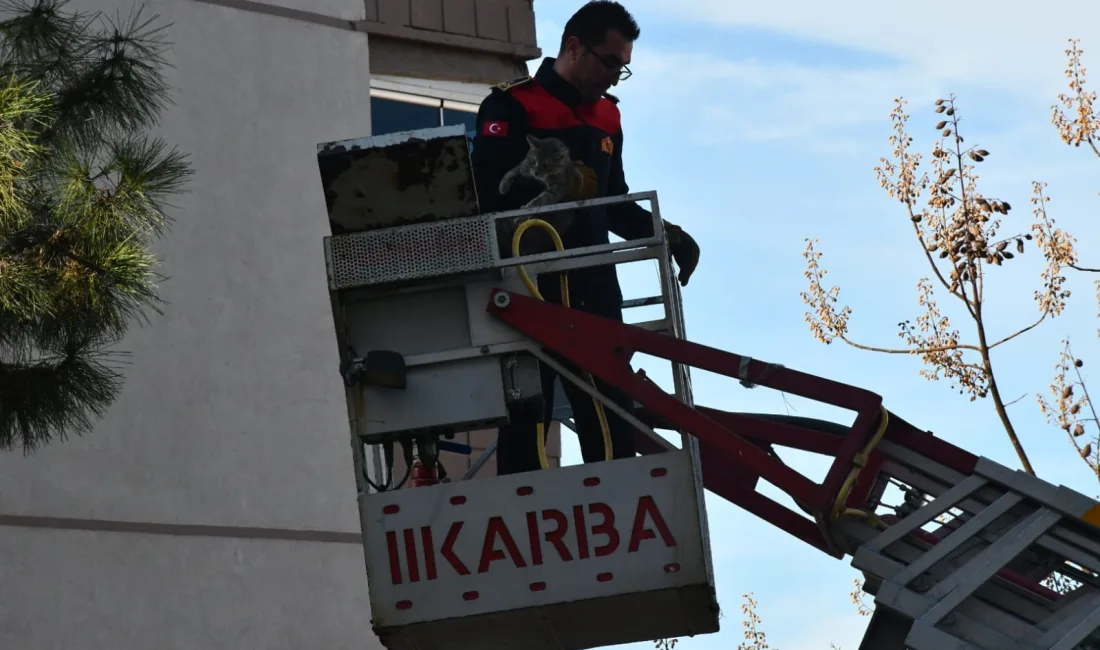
508 85
614 99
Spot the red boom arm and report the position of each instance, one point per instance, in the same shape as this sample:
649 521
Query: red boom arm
732 446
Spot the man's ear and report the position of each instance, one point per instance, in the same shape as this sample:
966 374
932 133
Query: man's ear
572 49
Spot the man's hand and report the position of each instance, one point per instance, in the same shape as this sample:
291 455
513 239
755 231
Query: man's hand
684 250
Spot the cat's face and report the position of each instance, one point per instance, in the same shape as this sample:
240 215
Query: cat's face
546 155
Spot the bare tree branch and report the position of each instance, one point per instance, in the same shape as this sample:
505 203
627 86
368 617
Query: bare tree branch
957 229
1071 400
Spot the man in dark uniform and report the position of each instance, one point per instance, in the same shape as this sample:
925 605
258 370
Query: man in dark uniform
567 99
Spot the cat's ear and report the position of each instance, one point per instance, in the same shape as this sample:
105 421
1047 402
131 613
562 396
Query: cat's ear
533 141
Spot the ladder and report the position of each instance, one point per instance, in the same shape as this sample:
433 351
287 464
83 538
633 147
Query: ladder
976 580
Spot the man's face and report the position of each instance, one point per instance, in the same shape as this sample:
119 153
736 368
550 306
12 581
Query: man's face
593 70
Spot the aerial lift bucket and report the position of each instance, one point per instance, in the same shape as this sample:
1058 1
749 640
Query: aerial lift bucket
565 558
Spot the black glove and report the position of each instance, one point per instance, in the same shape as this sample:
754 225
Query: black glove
684 250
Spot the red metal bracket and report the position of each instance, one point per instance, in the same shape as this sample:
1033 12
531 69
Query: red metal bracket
731 464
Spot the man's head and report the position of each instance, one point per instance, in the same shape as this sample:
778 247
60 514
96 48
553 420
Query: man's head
596 46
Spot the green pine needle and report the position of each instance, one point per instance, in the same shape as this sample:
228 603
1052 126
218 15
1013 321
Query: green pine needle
83 191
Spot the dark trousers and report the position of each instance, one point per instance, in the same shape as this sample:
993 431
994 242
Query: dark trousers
517 441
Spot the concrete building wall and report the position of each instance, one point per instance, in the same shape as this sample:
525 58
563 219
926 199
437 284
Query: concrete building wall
214 505
467 40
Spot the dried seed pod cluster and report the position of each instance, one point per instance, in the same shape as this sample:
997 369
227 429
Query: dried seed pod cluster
826 322
1078 123
960 225
1071 409
1059 251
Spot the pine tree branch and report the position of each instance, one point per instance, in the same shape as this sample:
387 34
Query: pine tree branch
48 397
83 190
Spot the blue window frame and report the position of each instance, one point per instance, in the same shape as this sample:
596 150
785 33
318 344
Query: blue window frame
452 116
389 114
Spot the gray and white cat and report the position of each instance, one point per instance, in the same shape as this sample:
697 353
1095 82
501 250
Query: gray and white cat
548 162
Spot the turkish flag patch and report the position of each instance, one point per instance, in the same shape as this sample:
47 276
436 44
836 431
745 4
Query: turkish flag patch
495 128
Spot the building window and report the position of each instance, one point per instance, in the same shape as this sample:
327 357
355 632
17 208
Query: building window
390 116
452 116
392 112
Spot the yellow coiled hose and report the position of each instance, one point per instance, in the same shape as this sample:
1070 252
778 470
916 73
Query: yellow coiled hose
858 463
604 429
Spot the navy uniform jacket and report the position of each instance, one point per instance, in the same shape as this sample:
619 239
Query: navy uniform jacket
547 105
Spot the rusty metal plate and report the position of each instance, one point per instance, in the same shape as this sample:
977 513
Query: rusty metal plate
397 179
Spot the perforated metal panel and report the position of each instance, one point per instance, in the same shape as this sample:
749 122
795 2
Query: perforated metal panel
409 252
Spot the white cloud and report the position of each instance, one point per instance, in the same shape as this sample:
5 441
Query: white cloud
944 40
723 99
758 101
943 47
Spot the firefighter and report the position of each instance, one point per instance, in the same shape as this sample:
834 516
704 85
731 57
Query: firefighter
567 98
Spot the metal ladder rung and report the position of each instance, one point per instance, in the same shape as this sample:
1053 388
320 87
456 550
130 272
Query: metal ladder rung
1072 625
965 581
971 584
922 636
958 537
962 586
1071 545
926 513
662 325
648 301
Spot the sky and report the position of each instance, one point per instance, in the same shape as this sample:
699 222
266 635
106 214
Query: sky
759 125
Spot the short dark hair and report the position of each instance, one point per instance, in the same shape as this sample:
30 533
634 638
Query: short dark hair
592 21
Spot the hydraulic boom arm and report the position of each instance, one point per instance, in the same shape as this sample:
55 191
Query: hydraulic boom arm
732 446
979 578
